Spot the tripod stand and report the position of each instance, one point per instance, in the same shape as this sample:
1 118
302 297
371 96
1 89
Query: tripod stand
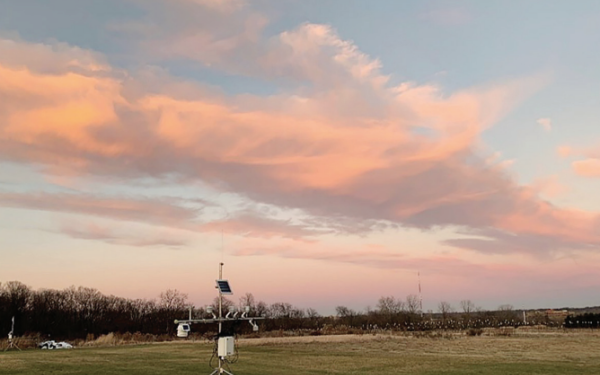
11 343
220 369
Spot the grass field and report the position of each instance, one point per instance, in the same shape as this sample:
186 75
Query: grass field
532 354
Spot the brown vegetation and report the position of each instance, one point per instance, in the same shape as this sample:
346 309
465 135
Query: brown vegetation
84 315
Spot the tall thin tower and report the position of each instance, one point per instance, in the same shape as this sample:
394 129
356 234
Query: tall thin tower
420 296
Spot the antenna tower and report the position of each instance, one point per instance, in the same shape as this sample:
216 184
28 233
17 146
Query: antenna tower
420 296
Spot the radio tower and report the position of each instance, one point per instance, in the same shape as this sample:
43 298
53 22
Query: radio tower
420 296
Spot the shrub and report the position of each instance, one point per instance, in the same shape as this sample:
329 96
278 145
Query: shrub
506 331
474 332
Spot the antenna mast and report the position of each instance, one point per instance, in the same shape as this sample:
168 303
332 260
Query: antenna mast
420 296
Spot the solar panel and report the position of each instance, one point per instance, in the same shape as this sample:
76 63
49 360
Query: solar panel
224 287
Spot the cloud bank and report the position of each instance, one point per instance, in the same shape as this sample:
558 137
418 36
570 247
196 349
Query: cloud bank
339 143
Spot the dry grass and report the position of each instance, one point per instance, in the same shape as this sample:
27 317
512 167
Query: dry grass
533 353
28 342
118 339
112 339
523 352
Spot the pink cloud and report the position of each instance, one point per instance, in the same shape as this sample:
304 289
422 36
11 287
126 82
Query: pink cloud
150 211
589 163
587 168
564 151
338 151
53 58
236 42
315 53
546 123
549 187
114 236
344 151
250 223
513 273
165 212
213 32
223 5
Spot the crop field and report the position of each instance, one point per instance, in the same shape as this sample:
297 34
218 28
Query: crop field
572 353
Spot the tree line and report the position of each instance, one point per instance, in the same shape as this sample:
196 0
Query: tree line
80 313
77 312
587 320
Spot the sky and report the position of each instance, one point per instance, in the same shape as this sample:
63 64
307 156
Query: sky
327 152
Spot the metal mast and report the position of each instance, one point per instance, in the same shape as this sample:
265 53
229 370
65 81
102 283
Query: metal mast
225 344
420 296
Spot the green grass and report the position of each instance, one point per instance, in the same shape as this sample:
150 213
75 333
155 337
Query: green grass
553 354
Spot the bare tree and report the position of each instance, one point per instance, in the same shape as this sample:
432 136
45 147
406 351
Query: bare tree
226 305
346 315
343 311
281 310
17 294
262 309
173 300
312 313
248 300
172 303
413 304
17 297
297 313
313 317
506 312
445 308
467 306
389 306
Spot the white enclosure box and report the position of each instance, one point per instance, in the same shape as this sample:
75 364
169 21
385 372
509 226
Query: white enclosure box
225 346
183 330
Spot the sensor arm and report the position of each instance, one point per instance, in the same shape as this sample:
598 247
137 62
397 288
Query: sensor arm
217 320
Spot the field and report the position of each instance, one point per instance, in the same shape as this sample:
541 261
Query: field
557 353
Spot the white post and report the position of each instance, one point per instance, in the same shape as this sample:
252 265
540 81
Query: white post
220 295
220 311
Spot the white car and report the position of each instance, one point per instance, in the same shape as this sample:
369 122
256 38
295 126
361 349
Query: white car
55 345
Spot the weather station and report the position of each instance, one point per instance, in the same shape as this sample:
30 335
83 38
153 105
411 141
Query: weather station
224 341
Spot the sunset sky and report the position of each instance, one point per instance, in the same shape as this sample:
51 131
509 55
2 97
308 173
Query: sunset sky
325 151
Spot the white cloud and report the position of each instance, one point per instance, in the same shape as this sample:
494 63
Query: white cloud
546 123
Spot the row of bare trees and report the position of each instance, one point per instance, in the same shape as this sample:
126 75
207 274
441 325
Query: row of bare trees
81 312
406 314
